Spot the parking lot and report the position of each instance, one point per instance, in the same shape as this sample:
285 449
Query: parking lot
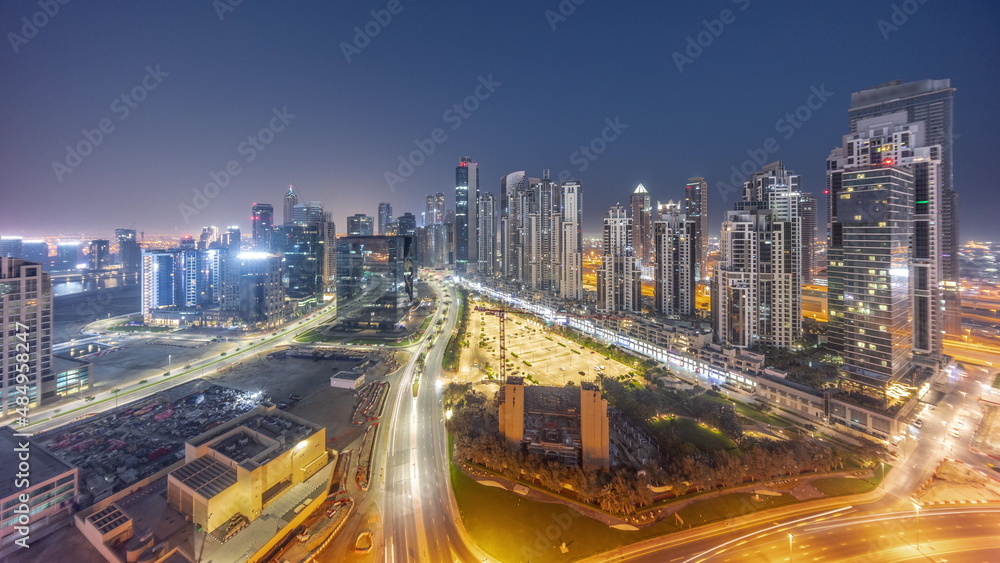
532 351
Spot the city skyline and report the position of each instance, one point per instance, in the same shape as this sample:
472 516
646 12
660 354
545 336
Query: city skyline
181 134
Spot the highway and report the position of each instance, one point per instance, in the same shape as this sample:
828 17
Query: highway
410 497
55 415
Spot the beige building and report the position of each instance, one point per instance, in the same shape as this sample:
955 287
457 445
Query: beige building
234 470
565 424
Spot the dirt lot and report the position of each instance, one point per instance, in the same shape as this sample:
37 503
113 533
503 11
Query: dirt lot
328 406
987 439
955 481
534 351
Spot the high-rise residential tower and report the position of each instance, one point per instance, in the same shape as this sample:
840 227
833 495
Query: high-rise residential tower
262 217
571 242
810 230
757 290
487 221
885 247
932 102
466 230
674 272
99 254
696 209
513 188
26 314
129 251
619 285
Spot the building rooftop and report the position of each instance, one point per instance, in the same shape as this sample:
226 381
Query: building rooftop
108 519
348 375
206 475
267 432
539 399
44 466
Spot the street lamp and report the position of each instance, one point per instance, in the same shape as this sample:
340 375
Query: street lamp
789 547
916 507
882 468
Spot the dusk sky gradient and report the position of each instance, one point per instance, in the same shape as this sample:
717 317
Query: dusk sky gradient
557 87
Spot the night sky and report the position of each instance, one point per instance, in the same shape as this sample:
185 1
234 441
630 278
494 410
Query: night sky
547 84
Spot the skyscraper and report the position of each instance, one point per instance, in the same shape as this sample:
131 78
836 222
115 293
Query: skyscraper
466 230
129 251
11 247
100 254
486 241
930 101
513 188
406 224
384 217
641 208
807 208
263 225
675 243
36 251
307 211
26 314
291 200
359 224
541 231
757 292
696 209
619 285
439 207
232 238
261 298
571 242
67 255
909 173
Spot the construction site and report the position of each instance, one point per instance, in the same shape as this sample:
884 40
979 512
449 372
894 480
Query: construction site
533 352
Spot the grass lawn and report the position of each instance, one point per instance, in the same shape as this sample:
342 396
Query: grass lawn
755 414
996 381
511 528
729 506
703 438
837 486
313 335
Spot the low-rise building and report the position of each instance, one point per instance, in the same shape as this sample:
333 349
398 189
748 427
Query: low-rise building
237 468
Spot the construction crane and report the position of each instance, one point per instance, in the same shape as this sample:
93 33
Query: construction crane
502 312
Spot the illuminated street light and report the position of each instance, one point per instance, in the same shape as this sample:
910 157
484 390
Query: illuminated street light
917 508
789 547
